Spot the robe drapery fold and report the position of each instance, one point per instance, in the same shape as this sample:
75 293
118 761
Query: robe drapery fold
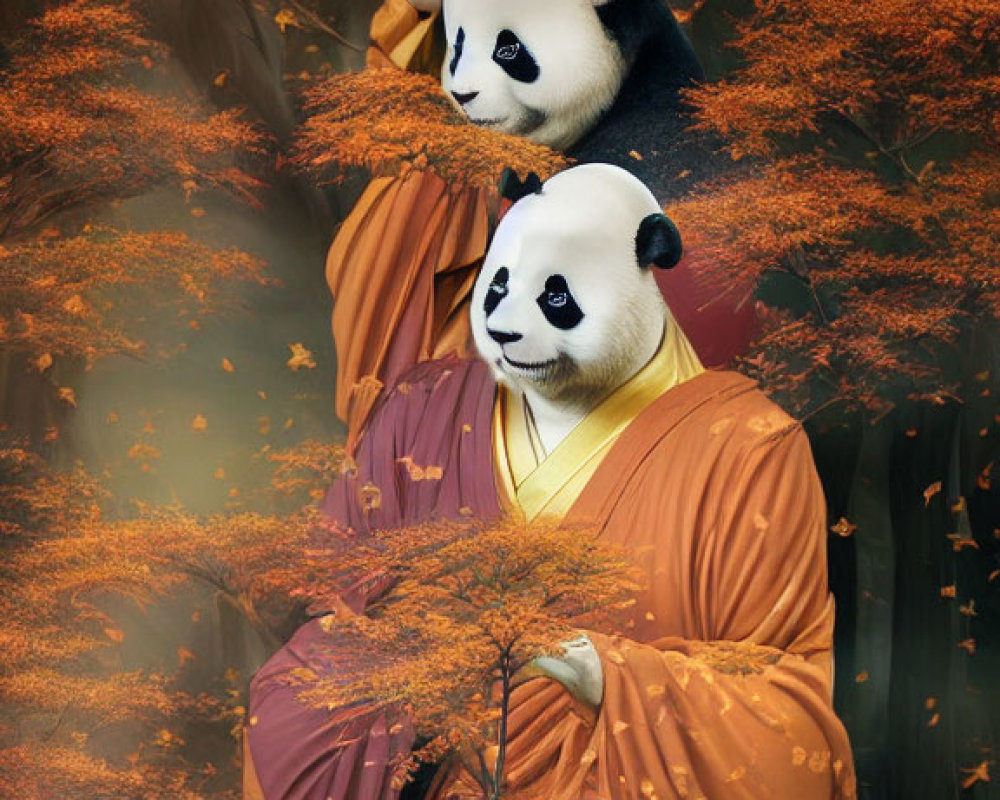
718 686
401 270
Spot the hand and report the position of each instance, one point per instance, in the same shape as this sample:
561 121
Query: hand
579 670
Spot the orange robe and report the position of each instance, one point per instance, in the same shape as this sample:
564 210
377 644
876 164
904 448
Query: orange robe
720 686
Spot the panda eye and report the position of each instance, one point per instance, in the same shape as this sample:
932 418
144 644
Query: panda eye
508 52
457 47
558 304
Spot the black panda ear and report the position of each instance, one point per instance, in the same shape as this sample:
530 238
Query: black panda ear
658 242
513 188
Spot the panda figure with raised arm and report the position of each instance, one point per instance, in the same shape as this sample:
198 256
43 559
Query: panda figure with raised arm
598 79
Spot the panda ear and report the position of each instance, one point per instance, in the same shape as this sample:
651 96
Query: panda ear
513 188
658 242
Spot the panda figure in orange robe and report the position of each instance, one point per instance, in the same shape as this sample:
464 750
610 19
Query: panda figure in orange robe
589 407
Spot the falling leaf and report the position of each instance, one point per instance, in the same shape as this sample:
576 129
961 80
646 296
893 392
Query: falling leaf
67 395
227 365
263 425
75 305
844 528
948 591
861 677
959 505
148 427
113 418
994 575
220 79
930 491
976 774
184 655
302 358
969 645
286 17
115 635
983 481
370 497
262 395
43 362
636 155
197 212
933 721
199 423
219 474
969 609
930 703
911 432
288 424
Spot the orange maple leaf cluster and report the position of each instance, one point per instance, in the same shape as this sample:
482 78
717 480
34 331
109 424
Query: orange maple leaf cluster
386 120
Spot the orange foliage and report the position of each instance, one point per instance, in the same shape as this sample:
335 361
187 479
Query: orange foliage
93 294
66 567
76 126
867 209
471 606
387 119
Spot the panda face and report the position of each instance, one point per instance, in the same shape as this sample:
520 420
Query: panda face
543 69
562 308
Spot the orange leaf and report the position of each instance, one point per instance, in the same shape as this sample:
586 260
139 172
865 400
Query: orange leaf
930 491
115 635
302 358
184 655
43 362
199 423
227 365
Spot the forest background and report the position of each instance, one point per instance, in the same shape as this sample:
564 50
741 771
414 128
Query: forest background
166 368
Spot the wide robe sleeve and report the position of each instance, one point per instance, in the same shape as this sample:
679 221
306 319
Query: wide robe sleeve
721 687
400 269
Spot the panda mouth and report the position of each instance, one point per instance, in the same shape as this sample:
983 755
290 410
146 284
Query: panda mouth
526 366
487 122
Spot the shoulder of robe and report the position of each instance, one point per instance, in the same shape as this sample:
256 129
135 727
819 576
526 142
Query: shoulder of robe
744 418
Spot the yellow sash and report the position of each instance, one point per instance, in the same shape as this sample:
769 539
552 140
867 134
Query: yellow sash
534 484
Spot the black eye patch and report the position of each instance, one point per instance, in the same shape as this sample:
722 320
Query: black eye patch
514 58
558 304
459 44
497 290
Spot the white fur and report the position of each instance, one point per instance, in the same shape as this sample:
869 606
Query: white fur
581 67
582 226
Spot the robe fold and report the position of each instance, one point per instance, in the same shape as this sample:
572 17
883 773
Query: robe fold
719 684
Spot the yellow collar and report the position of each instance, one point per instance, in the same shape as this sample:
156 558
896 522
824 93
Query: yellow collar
535 484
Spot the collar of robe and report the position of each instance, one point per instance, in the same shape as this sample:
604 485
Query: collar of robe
533 484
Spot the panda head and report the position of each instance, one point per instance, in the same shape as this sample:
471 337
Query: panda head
566 307
543 69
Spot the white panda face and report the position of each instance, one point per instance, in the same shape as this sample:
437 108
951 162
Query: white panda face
543 69
562 307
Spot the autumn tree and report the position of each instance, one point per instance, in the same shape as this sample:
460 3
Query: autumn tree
866 206
77 717
862 209
472 605
83 124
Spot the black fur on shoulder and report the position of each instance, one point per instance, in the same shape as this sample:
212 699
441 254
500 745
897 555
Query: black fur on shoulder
513 188
649 117
658 242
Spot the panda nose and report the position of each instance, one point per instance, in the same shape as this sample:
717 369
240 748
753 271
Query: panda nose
464 97
502 337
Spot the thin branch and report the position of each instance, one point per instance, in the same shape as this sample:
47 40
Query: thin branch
314 20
